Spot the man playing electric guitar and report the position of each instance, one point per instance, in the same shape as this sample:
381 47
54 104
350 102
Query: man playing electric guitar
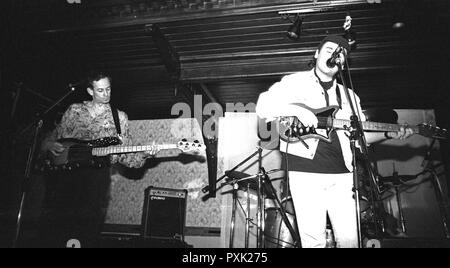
319 172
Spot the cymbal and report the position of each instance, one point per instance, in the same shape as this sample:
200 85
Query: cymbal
236 174
247 182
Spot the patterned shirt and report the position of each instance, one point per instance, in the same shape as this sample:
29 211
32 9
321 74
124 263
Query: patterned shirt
78 122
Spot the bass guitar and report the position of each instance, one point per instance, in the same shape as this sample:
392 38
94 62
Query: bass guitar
80 153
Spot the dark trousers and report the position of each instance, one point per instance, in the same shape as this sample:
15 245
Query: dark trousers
74 208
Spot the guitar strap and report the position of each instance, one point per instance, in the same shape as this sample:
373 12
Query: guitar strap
338 96
115 115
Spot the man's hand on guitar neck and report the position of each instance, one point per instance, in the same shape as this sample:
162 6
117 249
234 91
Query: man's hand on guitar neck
374 137
152 152
404 133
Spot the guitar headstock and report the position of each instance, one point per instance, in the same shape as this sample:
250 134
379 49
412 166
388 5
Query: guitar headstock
430 131
187 147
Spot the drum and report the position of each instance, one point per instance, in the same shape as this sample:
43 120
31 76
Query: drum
276 233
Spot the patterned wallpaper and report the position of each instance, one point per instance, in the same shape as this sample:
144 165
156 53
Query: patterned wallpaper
169 169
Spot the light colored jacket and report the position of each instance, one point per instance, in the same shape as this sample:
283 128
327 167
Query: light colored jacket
304 88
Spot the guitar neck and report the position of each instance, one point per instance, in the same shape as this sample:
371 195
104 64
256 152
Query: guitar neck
131 149
367 125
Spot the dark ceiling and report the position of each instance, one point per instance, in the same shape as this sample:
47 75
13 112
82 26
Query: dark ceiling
228 51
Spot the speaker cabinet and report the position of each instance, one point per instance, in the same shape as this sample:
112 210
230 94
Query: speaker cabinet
164 213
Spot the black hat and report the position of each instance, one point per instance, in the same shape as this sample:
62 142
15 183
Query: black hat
337 39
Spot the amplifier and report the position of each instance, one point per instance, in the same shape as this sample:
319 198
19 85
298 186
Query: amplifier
164 213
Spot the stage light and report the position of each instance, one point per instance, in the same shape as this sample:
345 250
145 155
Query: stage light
398 20
398 15
349 33
294 31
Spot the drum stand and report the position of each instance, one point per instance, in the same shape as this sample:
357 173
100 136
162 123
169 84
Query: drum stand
263 183
441 203
429 167
233 215
269 186
235 184
397 184
400 210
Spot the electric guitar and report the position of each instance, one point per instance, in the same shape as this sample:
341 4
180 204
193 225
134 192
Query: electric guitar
79 153
291 130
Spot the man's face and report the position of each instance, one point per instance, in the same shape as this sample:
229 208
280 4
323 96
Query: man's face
101 91
324 55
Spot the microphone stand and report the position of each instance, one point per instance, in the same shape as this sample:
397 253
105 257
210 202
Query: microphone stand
356 134
208 188
429 167
37 124
16 100
266 181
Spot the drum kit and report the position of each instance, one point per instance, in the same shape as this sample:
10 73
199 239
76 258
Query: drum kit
276 225
276 221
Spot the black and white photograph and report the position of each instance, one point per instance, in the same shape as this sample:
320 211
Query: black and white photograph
227 130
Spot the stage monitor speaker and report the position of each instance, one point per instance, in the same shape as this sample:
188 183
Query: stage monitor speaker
164 213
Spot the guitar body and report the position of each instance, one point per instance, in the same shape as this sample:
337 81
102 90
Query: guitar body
78 153
291 130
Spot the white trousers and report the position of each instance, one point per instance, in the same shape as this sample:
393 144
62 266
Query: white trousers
313 196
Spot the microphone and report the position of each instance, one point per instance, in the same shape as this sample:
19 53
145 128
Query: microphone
205 189
72 86
335 59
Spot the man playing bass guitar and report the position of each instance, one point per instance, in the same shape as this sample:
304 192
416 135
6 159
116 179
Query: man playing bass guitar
76 200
